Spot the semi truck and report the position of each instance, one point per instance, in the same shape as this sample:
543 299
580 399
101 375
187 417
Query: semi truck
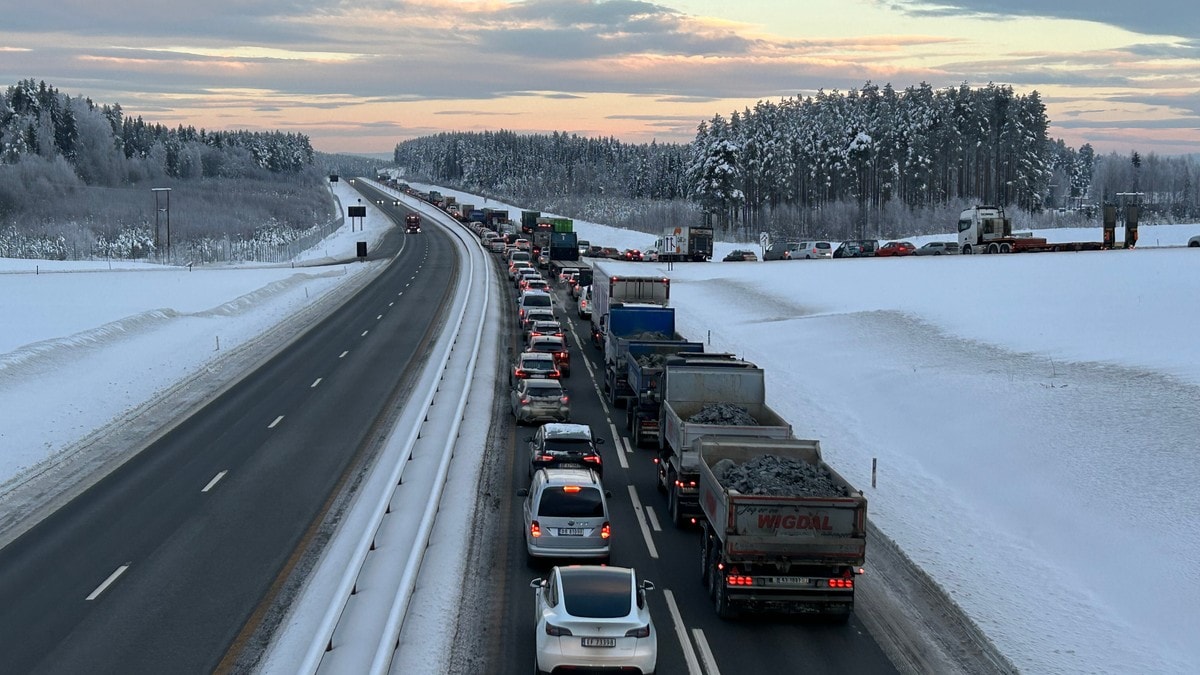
706 395
794 547
412 223
685 243
611 289
985 229
628 323
643 373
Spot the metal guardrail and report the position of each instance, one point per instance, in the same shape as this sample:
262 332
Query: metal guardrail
349 616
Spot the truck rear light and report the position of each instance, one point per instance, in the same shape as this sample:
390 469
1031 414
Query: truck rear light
841 583
739 580
535 529
605 531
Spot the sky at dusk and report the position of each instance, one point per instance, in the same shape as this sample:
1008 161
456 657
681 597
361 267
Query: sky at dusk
362 76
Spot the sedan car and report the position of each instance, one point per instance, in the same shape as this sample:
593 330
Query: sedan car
632 255
539 401
565 445
937 248
740 255
591 616
895 249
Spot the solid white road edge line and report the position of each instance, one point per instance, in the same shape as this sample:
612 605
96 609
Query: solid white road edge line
364 334
108 582
689 654
706 655
653 519
215 479
315 383
343 355
641 518
276 422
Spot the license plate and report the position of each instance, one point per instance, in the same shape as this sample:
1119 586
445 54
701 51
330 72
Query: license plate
570 531
781 581
599 642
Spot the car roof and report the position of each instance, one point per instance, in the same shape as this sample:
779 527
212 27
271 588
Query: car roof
536 356
556 476
594 591
566 430
545 338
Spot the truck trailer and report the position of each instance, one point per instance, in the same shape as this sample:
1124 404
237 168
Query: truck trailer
706 395
613 289
985 229
644 362
782 531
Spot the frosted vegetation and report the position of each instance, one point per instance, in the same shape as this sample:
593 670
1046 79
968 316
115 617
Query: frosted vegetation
871 162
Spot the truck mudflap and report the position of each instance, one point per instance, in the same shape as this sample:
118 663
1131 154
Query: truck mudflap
798 600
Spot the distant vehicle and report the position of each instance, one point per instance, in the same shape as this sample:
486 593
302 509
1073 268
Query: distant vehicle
938 248
857 248
1194 242
985 229
589 616
555 347
559 446
412 224
533 316
610 252
781 250
740 255
632 255
812 250
584 246
533 299
585 302
543 327
895 249
566 515
650 255
535 284
685 243
534 400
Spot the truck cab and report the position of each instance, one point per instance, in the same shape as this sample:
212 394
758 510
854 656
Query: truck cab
412 224
986 229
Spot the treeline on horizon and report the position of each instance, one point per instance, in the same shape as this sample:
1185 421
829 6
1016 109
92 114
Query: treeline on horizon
873 161
75 178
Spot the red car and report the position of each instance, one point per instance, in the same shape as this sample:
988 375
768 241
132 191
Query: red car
895 248
633 255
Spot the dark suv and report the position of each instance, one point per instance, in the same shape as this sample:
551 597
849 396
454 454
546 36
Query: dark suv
857 248
564 445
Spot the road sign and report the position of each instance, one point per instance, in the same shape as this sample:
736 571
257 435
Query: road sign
764 239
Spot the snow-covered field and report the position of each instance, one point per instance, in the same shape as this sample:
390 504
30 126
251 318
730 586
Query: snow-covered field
1033 416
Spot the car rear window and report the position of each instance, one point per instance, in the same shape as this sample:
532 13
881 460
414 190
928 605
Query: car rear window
598 594
536 300
823 244
543 391
583 502
568 444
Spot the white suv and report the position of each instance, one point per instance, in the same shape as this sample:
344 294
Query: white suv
566 515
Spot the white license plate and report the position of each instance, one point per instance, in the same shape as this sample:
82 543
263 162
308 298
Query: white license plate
570 531
781 581
599 642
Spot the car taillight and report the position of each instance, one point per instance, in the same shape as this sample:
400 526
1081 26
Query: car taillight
841 583
739 580
535 529
545 458
561 355
519 372
563 399
557 631
643 632
525 400
605 531
592 459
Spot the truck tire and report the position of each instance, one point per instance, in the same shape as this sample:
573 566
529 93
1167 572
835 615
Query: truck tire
967 249
1006 248
721 599
673 503
705 568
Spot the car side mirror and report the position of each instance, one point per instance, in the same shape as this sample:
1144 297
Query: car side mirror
598 441
647 585
608 494
537 582
529 439
523 492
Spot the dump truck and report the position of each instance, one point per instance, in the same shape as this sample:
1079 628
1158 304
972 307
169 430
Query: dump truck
628 323
782 531
644 361
613 289
706 395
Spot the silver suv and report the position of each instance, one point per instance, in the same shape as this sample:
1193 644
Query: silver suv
539 400
566 515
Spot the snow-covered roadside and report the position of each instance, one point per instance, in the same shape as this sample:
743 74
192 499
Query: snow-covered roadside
138 344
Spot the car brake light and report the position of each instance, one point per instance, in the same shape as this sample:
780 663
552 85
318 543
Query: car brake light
546 458
525 400
535 529
561 355
592 459
563 399
519 372
605 531
557 631
643 632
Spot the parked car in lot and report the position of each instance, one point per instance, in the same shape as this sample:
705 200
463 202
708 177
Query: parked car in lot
650 255
740 255
856 248
938 248
539 400
781 250
555 347
895 249
813 250
593 616
534 365
610 252
557 446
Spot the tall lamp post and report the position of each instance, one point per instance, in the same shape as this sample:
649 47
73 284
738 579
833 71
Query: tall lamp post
159 213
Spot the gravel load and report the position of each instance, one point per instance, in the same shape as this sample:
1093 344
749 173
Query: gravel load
724 414
777 477
652 360
649 336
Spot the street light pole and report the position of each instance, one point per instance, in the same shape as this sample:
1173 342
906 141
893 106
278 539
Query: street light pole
161 210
